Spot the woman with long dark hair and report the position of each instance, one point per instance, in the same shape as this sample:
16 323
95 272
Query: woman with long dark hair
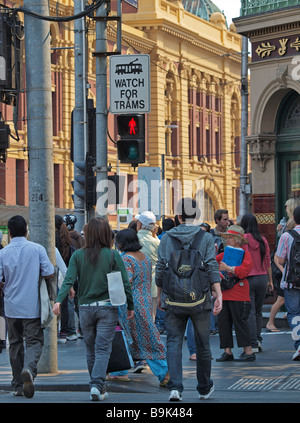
259 278
98 318
63 243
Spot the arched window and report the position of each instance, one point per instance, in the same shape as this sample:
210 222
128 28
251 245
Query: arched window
293 115
209 209
170 115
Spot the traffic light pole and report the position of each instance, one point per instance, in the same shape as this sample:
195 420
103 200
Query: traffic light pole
79 117
101 103
243 201
40 150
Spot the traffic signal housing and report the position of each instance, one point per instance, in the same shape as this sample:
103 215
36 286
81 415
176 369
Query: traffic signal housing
90 182
85 178
131 145
4 141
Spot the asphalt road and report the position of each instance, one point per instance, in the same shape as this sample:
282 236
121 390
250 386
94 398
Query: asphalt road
272 379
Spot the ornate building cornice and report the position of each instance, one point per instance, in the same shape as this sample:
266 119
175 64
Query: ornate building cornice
262 148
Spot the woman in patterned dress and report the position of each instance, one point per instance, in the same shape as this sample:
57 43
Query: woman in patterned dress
142 334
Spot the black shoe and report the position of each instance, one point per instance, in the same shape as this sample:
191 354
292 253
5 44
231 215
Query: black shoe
225 357
28 386
246 357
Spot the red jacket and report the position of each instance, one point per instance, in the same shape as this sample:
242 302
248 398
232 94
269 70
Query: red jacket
240 291
253 248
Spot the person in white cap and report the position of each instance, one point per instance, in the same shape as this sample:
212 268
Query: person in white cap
146 222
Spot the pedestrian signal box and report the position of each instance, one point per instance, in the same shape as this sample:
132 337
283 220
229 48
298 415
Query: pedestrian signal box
131 145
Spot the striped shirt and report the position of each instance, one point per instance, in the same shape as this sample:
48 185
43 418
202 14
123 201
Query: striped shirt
283 251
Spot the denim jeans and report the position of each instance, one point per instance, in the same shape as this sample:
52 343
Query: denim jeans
175 325
98 324
292 304
190 338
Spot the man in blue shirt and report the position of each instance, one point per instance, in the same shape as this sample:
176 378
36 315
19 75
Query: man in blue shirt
21 264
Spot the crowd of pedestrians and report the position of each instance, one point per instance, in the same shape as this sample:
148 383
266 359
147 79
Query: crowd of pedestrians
232 296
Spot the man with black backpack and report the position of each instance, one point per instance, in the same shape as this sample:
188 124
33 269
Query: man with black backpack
186 273
288 255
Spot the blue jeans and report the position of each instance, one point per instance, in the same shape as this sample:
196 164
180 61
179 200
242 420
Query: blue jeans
190 338
175 325
292 304
98 324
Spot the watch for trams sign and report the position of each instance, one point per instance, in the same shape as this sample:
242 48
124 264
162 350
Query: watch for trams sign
129 83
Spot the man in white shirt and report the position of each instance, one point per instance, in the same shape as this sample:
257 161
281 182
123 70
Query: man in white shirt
21 264
284 255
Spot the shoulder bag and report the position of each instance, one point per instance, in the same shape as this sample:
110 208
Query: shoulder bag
115 285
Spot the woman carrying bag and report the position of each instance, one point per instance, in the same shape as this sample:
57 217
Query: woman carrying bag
98 318
236 300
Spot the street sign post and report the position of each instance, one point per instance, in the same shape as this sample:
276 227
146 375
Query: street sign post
150 190
130 84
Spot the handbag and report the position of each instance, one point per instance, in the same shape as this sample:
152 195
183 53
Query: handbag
228 282
115 285
45 304
120 357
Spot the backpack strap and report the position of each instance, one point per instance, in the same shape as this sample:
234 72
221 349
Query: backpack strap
294 234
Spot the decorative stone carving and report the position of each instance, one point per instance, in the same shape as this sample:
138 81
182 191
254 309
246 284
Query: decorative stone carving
262 148
281 74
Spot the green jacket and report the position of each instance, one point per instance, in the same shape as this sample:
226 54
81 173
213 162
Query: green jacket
92 280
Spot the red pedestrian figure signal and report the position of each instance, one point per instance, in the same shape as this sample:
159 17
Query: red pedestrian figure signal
132 127
131 143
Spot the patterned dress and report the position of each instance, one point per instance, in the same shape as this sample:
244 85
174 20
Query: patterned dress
143 336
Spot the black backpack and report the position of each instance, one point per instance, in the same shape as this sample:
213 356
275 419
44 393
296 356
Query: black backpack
293 276
276 273
186 286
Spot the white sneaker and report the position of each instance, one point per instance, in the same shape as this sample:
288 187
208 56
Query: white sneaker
79 334
95 395
296 356
206 396
175 395
72 337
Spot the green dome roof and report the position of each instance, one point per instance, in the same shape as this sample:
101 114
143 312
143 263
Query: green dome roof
201 8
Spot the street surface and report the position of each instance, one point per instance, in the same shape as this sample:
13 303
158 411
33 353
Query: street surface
272 379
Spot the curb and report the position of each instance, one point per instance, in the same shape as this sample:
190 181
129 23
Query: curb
78 387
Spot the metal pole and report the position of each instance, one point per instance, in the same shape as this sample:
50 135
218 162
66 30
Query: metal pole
101 105
163 177
79 114
244 130
40 145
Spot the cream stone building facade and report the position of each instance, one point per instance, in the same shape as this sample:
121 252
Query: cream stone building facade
193 129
